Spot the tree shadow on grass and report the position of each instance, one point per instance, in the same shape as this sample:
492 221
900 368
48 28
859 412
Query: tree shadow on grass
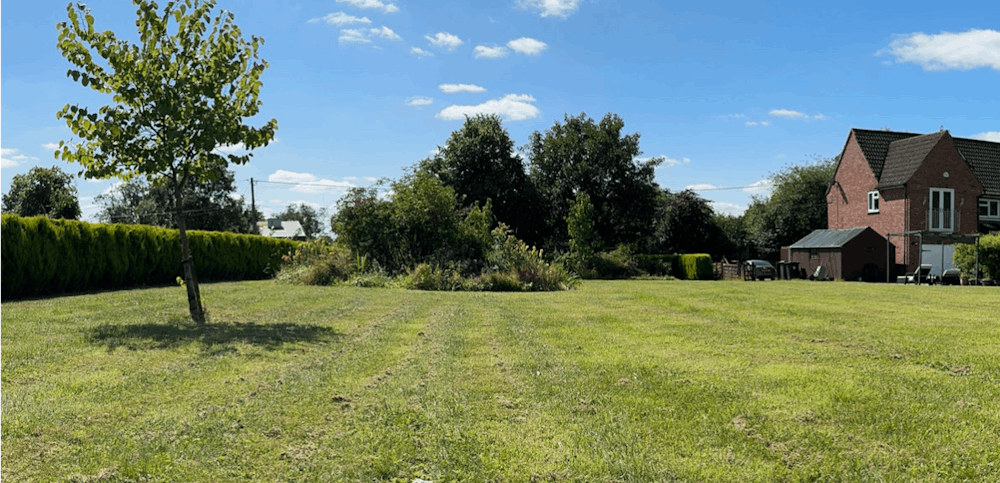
214 336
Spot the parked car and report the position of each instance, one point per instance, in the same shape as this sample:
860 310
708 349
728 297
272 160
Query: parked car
760 269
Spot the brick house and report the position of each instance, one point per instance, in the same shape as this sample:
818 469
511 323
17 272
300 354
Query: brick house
932 187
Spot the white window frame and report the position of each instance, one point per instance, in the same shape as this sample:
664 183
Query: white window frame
873 201
992 209
942 216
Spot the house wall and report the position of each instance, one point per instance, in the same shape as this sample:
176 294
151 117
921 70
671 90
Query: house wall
847 199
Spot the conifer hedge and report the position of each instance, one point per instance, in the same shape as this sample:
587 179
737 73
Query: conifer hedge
45 257
696 266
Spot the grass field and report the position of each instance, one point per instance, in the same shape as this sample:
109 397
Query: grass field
615 381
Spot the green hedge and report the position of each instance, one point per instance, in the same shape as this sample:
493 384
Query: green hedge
44 257
989 257
696 266
658 265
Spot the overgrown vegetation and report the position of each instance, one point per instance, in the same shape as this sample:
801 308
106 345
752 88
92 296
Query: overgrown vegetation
616 381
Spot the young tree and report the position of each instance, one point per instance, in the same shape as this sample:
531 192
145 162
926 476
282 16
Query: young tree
177 97
43 191
580 227
598 159
310 218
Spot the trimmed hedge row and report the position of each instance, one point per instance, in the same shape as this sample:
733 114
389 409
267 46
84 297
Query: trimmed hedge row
694 266
44 257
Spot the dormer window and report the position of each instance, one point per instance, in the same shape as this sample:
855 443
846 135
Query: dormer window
989 209
873 201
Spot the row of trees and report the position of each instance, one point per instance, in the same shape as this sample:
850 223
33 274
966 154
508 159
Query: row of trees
583 178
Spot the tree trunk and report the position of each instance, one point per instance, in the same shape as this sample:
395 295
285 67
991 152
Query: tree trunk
187 264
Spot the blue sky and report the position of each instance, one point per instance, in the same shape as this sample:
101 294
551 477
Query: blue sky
728 92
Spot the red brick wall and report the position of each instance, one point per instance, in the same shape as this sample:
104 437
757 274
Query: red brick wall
847 200
902 209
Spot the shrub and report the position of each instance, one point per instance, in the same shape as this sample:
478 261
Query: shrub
658 265
989 257
428 277
316 262
696 266
616 264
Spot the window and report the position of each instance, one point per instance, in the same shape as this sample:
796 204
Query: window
814 253
989 209
873 201
942 209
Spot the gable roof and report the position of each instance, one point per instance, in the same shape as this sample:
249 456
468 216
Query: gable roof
984 160
905 156
983 157
828 238
875 146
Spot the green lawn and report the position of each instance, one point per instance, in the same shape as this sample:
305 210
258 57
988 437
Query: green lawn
615 381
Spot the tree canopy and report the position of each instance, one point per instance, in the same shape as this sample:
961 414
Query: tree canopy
479 162
211 205
178 95
598 159
684 224
43 192
796 206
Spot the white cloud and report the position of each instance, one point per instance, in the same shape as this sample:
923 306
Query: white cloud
700 187
757 123
988 136
456 88
434 152
444 40
9 157
820 117
551 8
229 148
385 33
484 52
731 116
512 107
668 162
50 146
788 114
372 4
340 19
308 183
760 187
726 208
419 101
417 51
946 50
353 36
527 46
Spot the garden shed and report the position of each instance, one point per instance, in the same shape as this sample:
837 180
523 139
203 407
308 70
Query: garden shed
848 254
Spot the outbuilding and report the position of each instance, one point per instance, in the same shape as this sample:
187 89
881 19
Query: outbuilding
848 254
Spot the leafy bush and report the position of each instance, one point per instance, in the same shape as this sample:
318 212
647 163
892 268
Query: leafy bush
316 262
696 266
47 257
427 277
989 257
526 264
658 265
616 264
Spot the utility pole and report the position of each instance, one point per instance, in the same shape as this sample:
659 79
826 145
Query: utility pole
253 211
